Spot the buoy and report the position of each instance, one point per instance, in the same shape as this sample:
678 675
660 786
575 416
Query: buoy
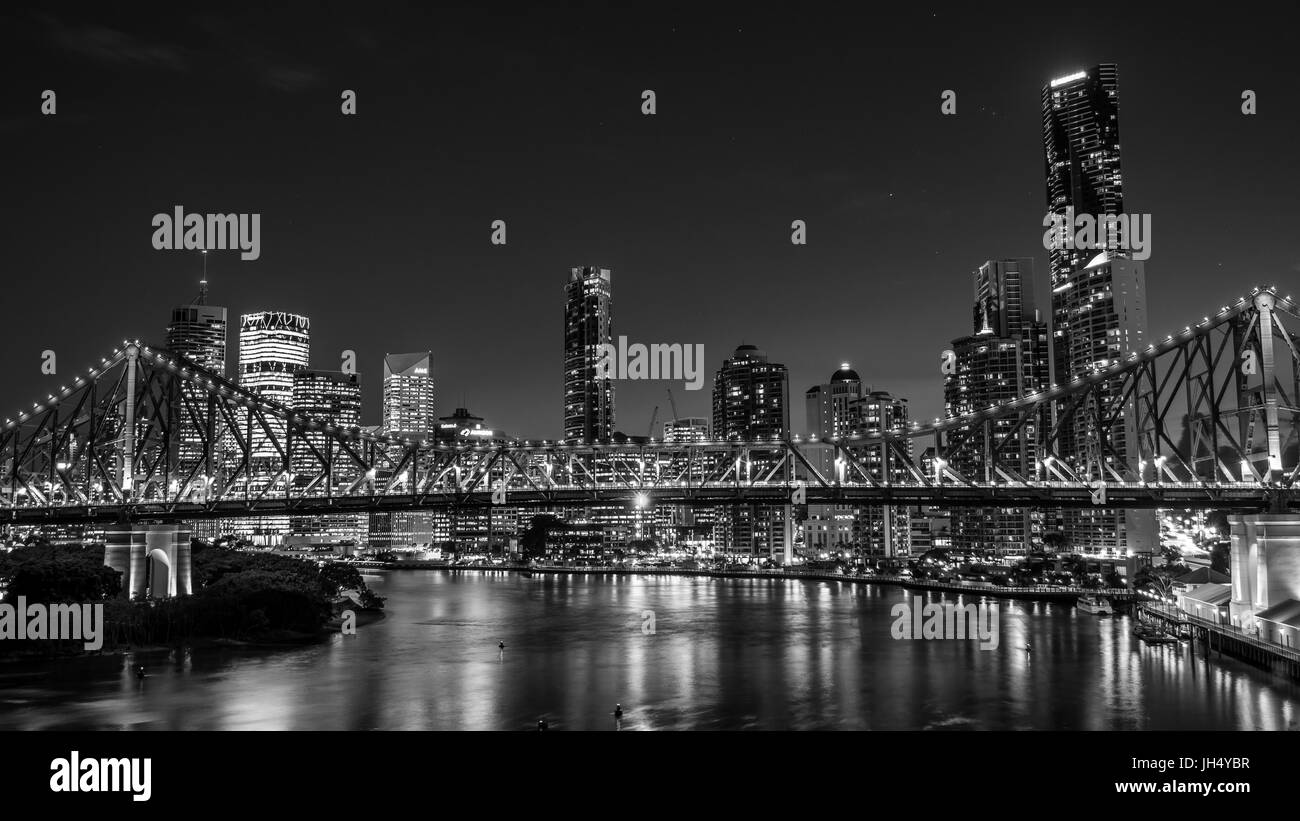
618 711
502 645
541 724
139 672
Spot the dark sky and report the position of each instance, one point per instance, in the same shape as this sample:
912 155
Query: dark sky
377 226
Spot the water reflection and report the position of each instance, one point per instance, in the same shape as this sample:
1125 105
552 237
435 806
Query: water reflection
724 654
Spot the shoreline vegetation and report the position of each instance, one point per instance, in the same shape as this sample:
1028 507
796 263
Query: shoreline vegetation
240 599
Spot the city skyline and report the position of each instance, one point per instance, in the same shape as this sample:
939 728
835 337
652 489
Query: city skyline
667 215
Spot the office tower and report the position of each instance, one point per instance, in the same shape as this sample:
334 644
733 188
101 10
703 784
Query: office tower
197 331
827 530
408 395
686 429
331 398
749 397
588 401
1098 297
750 404
1081 152
1005 358
880 532
1108 303
273 346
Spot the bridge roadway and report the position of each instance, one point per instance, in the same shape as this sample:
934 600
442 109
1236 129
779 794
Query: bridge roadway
1244 497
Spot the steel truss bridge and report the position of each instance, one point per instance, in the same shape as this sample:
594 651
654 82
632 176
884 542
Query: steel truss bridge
1204 419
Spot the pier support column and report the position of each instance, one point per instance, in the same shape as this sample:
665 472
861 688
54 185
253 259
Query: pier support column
1265 563
154 559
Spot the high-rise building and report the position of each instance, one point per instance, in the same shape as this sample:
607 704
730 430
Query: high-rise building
408 394
828 529
1005 358
1107 303
881 532
750 404
1081 152
197 331
749 397
273 346
588 323
1098 295
331 398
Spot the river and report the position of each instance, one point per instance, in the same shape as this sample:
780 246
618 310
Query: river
720 654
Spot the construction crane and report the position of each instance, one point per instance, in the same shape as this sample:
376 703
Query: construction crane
653 417
673 403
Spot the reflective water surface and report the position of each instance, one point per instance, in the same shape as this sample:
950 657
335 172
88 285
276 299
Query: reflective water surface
724 654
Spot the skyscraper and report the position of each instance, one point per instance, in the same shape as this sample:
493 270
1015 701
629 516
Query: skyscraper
197 331
750 404
880 531
408 394
588 401
1081 151
332 398
749 397
829 528
1005 358
273 346
1098 296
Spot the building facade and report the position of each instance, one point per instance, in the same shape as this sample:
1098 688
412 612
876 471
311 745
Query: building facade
1007 357
588 324
750 404
1098 299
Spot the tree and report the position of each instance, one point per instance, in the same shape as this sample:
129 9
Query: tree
1221 557
534 539
1054 542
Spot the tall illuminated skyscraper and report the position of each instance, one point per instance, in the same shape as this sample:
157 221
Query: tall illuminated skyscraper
332 398
1098 296
197 331
408 394
1081 152
273 346
1004 358
588 401
750 402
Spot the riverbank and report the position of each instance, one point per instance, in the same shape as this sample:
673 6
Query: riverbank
1035 592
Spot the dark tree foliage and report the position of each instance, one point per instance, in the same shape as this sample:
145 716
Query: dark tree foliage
58 573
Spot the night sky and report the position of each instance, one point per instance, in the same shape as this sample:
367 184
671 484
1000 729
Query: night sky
377 226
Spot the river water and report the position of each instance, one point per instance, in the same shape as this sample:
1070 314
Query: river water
720 654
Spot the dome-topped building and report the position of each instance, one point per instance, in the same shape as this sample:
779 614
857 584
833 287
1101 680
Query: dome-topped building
845 374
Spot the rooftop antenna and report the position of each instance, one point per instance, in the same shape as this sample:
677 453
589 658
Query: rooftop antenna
203 283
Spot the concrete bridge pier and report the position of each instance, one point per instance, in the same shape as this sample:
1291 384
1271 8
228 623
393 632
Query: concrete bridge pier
154 559
1265 563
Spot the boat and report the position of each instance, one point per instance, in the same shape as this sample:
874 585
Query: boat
1094 604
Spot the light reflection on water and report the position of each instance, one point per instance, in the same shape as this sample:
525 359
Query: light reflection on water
725 654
